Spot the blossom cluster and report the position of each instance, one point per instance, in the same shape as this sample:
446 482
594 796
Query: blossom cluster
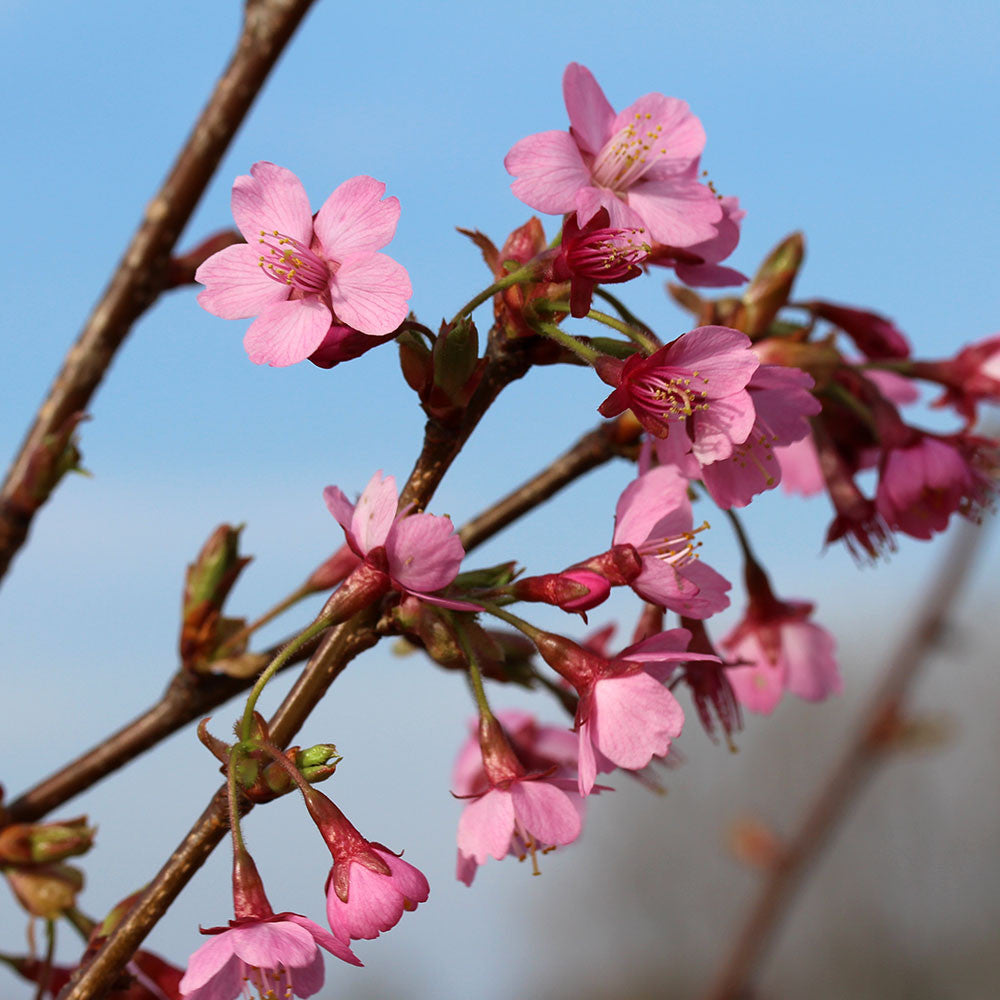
762 391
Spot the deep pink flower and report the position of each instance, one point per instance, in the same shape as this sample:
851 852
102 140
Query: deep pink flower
274 954
697 382
875 335
640 165
654 515
369 887
304 276
516 812
419 553
698 265
783 652
924 481
782 402
971 377
596 254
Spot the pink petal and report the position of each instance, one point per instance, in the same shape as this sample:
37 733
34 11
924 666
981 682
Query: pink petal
424 552
355 219
465 868
589 200
272 199
800 469
340 507
680 134
709 275
590 115
237 285
370 292
308 979
374 904
808 651
678 214
326 940
287 332
486 826
207 961
546 812
721 355
410 881
268 945
587 774
647 500
375 512
712 594
725 423
758 688
225 984
634 719
549 171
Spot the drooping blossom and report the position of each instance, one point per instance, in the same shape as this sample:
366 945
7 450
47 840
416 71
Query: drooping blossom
274 954
306 278
509 809
781 651
925 480
369 887
782 403
415 553
597 254
775 648
874 335
971 377
625 716
654 515
640 165
698 381
711 690
699 265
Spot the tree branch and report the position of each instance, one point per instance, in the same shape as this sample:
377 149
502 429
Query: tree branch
837 792
144 270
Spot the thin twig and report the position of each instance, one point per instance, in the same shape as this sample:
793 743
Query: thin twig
844 782
144 270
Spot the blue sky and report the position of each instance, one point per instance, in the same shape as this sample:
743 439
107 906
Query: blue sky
871 128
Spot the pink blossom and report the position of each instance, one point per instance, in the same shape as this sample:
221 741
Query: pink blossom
596 254
782 402
515 812
419 553
971 377
276 956
369 887
306 277
800 469
640 165
782 652
923 482
875 335
698 265
654 515
696 383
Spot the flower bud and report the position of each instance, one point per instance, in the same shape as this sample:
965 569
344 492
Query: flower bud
56 455
318 762
46 890
334 570
43 843
620 565
771 286
573 590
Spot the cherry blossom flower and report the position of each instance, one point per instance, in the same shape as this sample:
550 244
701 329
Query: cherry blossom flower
782 652
369 887
654 515
306 277
875 335
640 165
700 378
596 254
273 954
516 812
698 265
971 377
417 553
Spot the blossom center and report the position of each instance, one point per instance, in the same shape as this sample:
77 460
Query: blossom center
676 550
290 262
672 392
608 254
267 984
629 153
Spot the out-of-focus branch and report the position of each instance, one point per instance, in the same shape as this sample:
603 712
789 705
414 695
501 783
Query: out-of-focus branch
144 270
840 787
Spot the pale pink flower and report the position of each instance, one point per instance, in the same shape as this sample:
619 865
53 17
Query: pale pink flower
420 553
697 384
369 887
654 515
276 956
514 812
640 165
305 276
782 652
698 265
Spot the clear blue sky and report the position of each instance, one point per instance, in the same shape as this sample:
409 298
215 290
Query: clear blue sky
872 128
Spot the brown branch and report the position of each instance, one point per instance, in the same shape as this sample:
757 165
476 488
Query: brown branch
144 270
837 792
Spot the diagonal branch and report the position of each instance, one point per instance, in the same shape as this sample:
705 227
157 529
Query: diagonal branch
144 270
845 781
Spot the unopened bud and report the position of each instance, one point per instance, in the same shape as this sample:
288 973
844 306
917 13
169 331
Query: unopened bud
46 890
573 590
771 286
620 565
335 570
42 843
